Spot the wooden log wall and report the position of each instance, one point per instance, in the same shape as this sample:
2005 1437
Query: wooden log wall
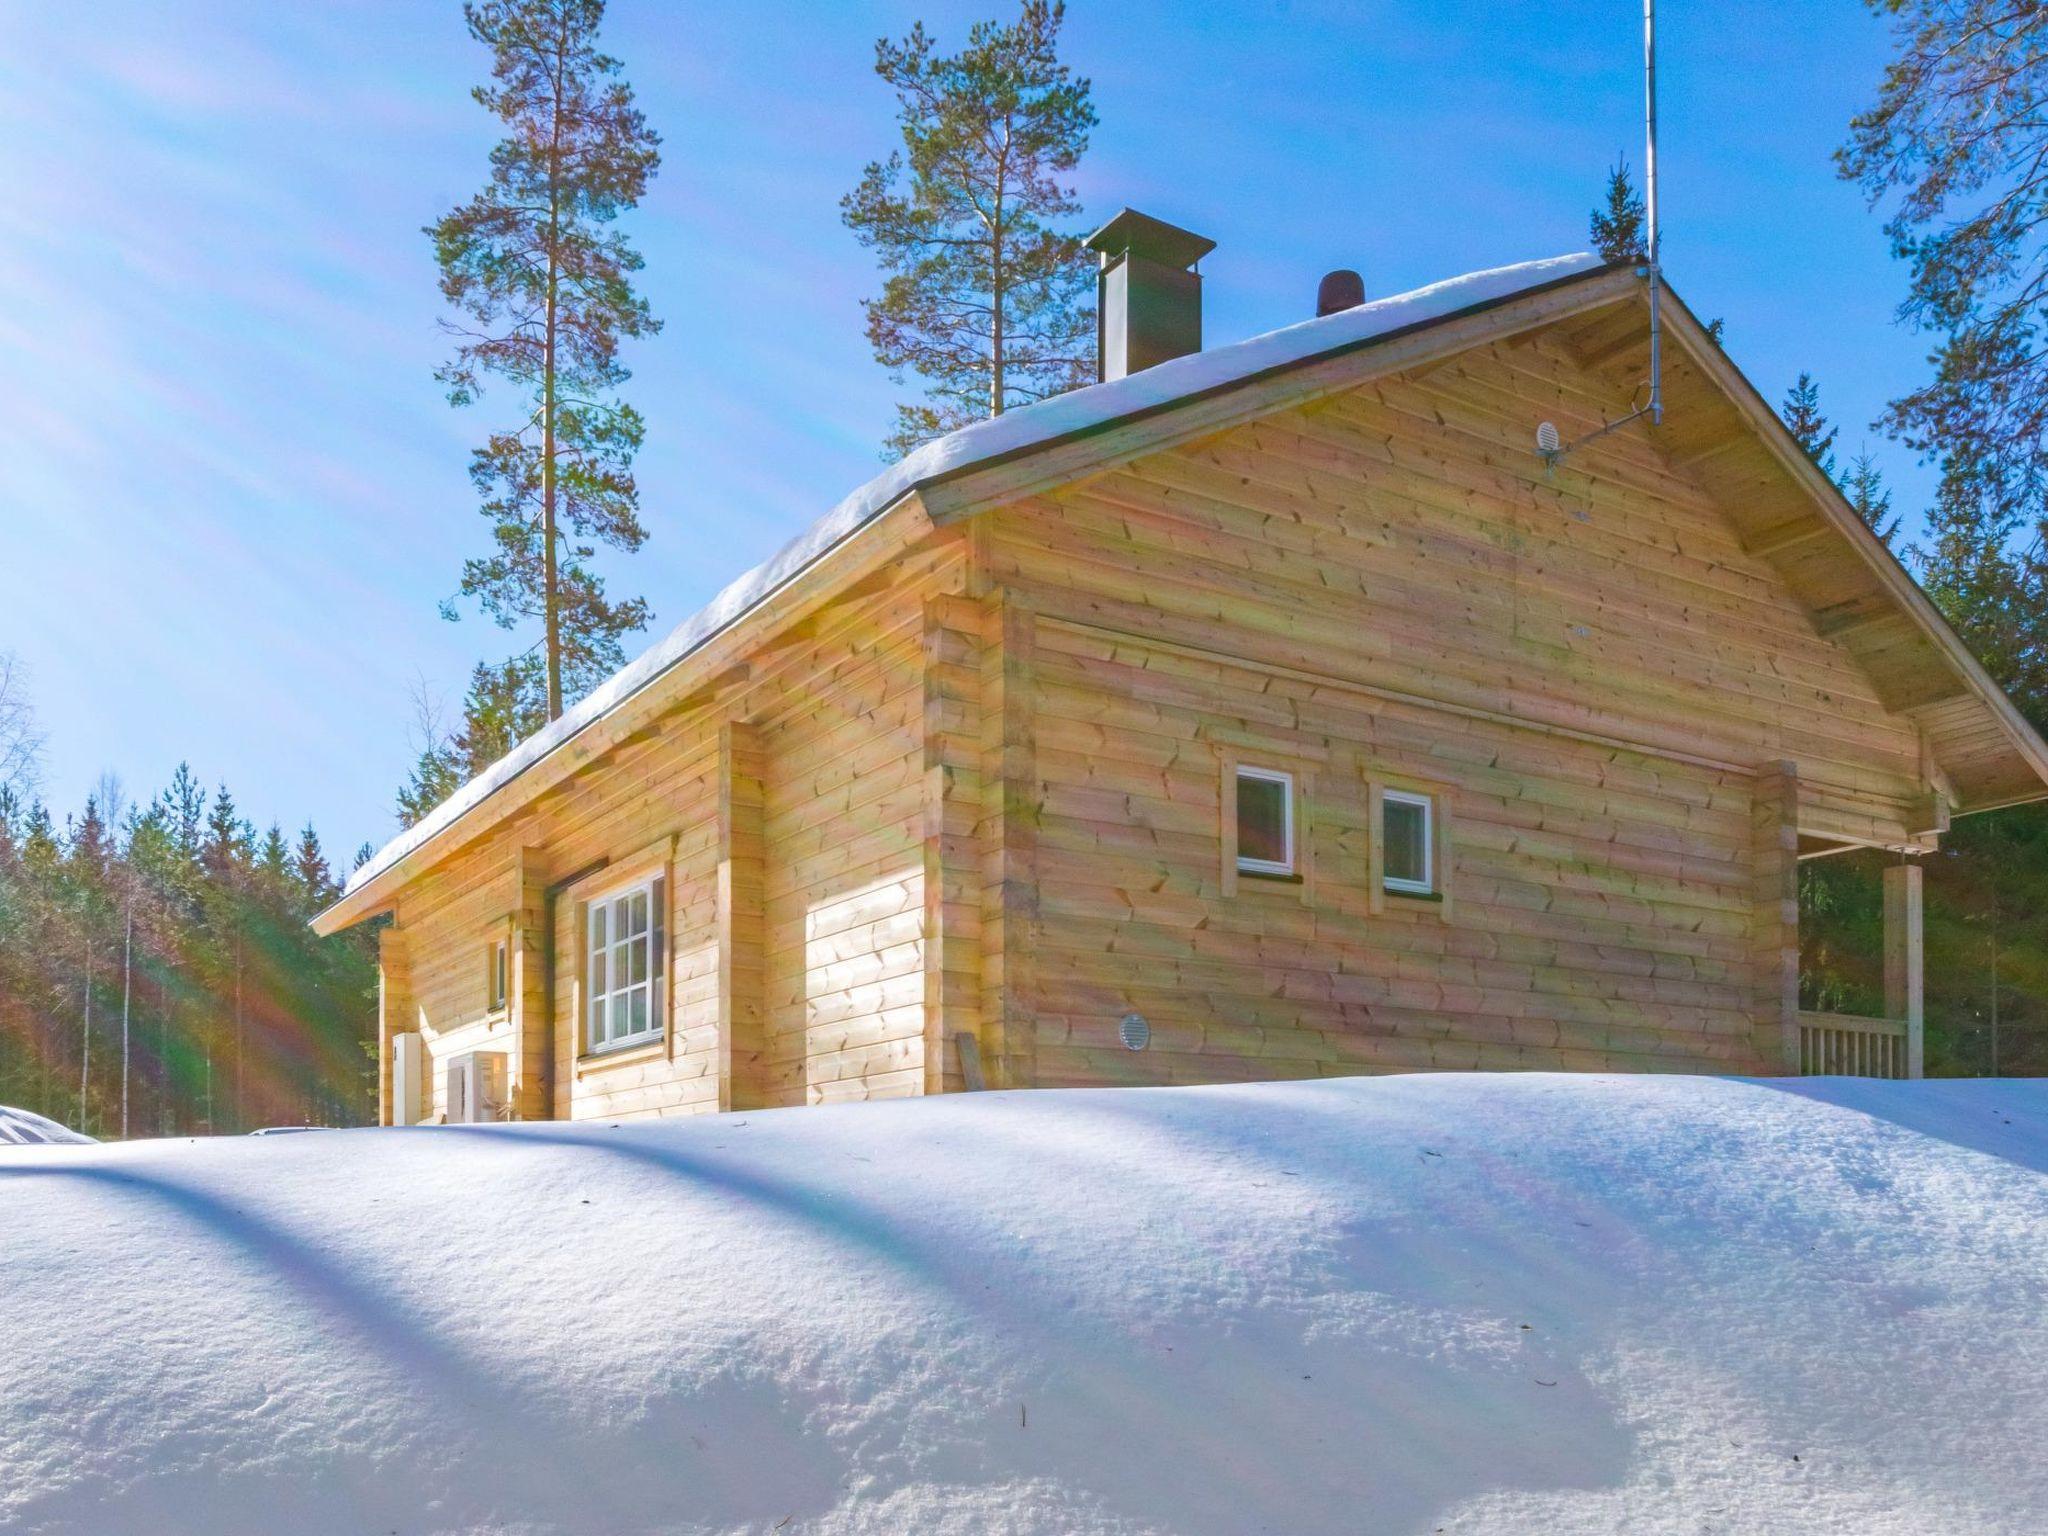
785 808
1588 668
980 790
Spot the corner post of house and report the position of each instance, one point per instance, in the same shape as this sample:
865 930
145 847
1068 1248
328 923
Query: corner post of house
396 1011
530 988
951 827
1010 807
1774 914
1905 961
742 925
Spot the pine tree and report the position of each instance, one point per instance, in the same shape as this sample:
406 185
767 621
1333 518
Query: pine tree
988 298
1803 418
1617 228
1955 144
1870 496
535 263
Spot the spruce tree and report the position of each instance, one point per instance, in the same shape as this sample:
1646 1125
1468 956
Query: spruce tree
1802 414
988 297
1617 228
309 870
184 807
544 281
505 704
226 852
1985 569
1870 496
435 776
274 858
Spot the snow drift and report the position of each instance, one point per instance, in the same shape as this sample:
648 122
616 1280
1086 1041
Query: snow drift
1459 1303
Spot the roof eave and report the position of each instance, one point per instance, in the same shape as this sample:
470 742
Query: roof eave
1896 579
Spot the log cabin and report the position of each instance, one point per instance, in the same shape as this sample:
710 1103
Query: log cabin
1271 710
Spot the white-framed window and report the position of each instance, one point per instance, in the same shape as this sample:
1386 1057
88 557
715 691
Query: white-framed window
1265 821
622 967
497 975
1407 843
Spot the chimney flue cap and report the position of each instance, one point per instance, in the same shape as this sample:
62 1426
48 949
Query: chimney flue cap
1339 290
1132 233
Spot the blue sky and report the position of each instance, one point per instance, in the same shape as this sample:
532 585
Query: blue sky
232 493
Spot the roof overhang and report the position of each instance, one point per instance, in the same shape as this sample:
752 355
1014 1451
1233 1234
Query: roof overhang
1979 751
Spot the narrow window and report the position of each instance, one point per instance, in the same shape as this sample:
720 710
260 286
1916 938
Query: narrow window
1406 862
1265 821
497 975
623 943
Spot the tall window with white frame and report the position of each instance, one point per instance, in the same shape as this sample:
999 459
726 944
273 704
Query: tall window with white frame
1406 837
623 943
1265 822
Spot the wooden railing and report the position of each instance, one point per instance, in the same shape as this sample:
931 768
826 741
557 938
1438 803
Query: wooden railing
1843 1045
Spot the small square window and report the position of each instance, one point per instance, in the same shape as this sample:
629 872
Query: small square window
1406 864
1265 821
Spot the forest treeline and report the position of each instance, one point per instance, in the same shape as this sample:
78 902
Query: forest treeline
157 977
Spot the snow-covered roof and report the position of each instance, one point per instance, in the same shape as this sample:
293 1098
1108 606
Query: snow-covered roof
1485 1304
1014 432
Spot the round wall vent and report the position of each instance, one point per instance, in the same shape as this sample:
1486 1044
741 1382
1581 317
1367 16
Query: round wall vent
1135 1033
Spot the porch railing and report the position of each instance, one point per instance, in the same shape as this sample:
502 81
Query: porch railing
1844 1045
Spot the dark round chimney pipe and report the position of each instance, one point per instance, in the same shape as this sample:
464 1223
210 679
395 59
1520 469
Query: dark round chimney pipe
1341 289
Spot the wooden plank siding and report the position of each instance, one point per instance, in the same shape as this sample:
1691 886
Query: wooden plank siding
978 788
1588 669
831 721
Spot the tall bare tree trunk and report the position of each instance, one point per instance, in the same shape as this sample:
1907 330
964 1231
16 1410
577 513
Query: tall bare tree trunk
127 983
551 598
241 1103
85 1044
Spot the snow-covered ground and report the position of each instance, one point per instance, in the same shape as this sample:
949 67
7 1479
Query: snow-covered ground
1459 1304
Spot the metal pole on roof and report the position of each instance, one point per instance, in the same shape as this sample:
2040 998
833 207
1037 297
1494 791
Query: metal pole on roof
1550 446
1650 206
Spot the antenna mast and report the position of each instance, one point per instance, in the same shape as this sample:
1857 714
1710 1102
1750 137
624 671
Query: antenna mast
1548 443
1650 204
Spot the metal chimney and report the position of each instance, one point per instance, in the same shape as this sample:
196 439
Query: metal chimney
1338 291
1148 294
